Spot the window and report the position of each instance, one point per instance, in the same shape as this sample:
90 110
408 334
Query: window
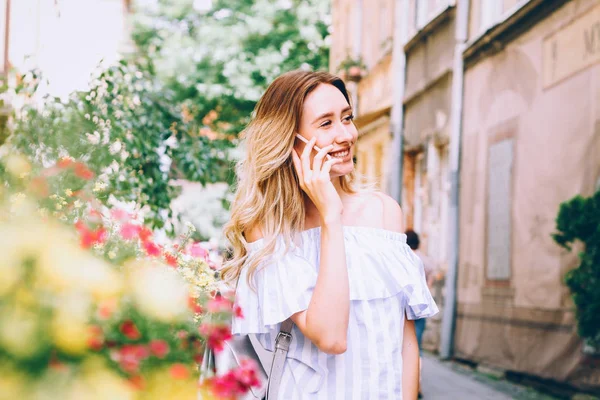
499 218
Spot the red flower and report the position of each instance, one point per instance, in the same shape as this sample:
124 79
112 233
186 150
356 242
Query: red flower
137 382
179 371
237 381
159 348
89 237
130 331
96 338
64 162
130 231
151 248
194 306
215 335
171 259
82 171
145 234
237 310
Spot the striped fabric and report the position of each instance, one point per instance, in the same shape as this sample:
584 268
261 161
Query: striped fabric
386 281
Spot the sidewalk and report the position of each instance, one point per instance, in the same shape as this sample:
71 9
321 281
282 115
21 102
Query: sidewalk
447 381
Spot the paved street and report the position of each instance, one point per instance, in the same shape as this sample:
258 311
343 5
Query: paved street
446 381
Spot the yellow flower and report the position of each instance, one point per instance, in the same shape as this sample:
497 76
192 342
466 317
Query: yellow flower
69 192
70 334
77 204
112 255
59 206
20 332
159 292
13 384
99 186
43 212
17 165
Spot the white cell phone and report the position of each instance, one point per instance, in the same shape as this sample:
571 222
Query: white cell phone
317 148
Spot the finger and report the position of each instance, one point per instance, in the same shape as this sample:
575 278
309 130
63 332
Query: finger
318 160
306 155
328 164
298 166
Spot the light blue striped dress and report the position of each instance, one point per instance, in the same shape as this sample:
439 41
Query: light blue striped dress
386 281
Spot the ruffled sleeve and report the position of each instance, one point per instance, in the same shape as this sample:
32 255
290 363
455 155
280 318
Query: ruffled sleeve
282 286
418 300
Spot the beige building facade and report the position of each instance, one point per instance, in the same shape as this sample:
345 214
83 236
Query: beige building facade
530 140
519 95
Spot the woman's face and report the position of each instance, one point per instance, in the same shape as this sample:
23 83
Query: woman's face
328 116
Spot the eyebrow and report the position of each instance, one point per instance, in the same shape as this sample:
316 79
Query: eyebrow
330 114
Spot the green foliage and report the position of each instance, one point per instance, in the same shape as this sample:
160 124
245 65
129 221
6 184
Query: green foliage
219 62
579 220
131 132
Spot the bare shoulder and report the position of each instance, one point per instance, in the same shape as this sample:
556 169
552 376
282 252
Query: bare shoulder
380 209
391 213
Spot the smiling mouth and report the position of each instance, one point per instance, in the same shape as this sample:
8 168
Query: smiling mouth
340 153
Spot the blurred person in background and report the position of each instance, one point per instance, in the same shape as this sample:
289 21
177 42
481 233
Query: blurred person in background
413 241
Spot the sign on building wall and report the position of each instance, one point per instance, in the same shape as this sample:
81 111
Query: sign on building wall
499 194
571 49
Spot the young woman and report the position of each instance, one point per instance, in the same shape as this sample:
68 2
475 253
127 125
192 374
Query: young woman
308 245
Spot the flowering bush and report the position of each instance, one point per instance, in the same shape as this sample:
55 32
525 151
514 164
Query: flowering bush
91 305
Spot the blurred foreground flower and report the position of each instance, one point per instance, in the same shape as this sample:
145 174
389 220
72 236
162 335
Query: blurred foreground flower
91 306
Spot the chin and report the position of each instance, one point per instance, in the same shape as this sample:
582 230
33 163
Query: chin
341 170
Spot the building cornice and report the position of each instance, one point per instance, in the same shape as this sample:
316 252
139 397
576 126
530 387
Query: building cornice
514 23
443 16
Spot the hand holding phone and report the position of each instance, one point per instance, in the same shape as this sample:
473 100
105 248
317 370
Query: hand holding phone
315 179
317 148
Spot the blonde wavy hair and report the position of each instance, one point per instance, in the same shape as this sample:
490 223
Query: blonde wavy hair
268 195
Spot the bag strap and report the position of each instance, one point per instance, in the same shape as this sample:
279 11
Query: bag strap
282 346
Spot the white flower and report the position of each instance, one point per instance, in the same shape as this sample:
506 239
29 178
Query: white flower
93 138
115 147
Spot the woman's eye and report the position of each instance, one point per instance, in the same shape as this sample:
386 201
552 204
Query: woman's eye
326 123
349 117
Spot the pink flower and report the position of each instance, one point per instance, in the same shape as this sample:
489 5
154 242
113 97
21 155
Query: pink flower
120 215
159 348
196 250
130 231
219 304
130 356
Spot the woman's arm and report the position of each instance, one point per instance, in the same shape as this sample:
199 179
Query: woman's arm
325 321
410 362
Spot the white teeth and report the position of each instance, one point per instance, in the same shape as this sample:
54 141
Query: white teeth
340 154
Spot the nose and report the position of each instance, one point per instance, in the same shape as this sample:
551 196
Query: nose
344 133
